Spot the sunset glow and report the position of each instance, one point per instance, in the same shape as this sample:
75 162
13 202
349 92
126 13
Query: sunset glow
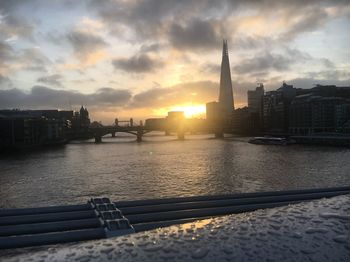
190 111
142 59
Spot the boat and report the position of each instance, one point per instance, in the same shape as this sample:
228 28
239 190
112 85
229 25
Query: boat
269 141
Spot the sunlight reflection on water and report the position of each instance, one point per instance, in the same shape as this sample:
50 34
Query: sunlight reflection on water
163 167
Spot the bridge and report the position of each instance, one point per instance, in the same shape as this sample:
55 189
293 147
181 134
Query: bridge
97 132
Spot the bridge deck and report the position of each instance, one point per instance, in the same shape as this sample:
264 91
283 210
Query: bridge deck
315 230
101 218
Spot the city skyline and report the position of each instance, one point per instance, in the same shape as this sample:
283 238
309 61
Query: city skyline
120 60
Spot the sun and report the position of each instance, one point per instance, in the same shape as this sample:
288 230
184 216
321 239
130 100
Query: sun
190 111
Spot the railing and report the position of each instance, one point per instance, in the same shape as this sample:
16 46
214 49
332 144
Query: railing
100 218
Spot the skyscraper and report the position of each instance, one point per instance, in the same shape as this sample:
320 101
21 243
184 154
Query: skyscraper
226 103
221 112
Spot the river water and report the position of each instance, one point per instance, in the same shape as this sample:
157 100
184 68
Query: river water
161 166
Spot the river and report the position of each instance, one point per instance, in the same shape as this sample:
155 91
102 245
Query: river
162 166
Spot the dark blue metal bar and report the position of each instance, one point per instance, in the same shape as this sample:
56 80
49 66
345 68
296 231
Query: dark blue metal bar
41 218
199 213
43 210
225 202
51 238
122 204
67 225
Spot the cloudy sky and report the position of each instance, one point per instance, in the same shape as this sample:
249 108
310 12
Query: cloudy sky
128 58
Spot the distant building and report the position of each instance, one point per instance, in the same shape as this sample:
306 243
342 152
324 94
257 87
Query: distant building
176 116
81 121
276 109
175 120
241 122
324 109
255 99
342 117
28 128
255 107
212 112
156 123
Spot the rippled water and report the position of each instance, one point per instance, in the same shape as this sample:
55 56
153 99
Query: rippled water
163 166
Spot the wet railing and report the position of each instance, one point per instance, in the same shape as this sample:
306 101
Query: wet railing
101 218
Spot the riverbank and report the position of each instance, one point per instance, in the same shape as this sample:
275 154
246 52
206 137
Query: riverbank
326 140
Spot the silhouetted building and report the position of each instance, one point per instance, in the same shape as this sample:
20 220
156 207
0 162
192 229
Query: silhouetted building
342 117
321 109
226 94
324 109
81 121
30 128
156 123
276 109
255 99
212 111
221 112
241 121
175 120
255 107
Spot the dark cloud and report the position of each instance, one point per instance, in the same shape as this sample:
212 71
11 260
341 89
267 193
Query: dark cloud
153 19
54 80
13 26
251 42
27 59
3 78
313 17
330 74
263 63
44 97
6 52
4 81
13 5
6 55
199 92
33 59
210 68
111 97
84 43
137 64
327 63
311 82
197 34
150 48
148 19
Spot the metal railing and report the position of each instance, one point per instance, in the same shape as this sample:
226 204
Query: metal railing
101 218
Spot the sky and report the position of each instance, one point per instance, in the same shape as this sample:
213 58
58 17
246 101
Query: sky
141 59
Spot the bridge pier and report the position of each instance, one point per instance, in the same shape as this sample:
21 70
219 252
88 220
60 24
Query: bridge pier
139 135
180 135
98 139
219 134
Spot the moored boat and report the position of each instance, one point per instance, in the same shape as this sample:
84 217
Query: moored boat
270 141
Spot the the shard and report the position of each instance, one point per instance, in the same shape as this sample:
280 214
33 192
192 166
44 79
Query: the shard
226 95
